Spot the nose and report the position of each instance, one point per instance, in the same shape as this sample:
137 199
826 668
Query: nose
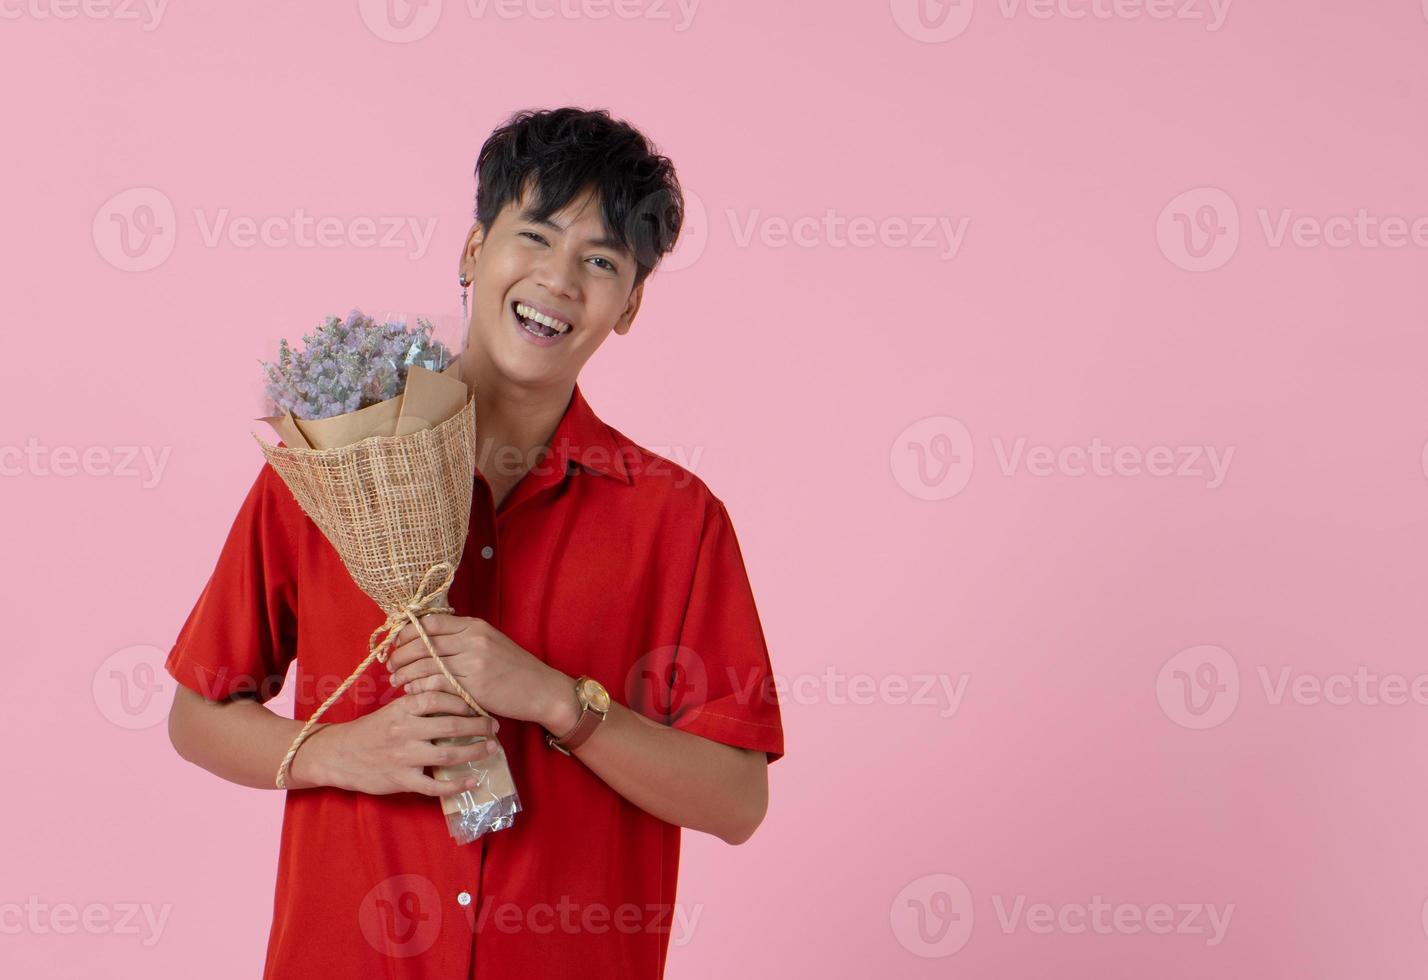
556 273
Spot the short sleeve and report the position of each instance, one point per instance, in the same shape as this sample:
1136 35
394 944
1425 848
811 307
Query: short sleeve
241 635
721 681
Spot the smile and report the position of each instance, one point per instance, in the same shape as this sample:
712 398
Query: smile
539 324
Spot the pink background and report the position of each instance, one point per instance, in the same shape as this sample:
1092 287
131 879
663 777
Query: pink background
850 401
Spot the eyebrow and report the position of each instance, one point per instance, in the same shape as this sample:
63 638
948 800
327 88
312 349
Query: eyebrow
603 241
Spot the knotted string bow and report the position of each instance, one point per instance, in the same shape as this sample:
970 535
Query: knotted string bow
421 604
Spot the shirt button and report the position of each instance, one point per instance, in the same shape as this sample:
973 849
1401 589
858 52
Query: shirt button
464 898
487 551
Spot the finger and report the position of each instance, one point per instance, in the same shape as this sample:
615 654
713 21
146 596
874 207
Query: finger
441 756
436 624
432 682
414 650
450 727
421 667
433 703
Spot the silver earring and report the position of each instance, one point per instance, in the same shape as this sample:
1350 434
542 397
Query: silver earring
464 283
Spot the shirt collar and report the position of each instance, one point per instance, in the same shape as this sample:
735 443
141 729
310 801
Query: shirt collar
581 438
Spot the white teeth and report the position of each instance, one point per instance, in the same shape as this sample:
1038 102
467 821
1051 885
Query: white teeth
559 326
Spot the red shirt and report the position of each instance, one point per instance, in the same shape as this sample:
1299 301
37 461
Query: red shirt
605 559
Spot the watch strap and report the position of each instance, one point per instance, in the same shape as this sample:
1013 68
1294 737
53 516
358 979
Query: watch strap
584 727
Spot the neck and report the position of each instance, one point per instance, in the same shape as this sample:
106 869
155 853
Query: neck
513 422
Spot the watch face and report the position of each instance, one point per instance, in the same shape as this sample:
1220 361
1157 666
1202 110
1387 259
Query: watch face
597 695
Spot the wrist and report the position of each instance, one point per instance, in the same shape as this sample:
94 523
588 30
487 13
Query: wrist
309 767
562 706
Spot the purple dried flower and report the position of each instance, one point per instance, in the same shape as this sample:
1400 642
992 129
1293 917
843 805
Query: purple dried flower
349 364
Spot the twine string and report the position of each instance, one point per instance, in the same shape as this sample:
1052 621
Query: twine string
423 603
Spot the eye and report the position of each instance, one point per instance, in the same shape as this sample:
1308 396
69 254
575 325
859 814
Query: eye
608 266
535 236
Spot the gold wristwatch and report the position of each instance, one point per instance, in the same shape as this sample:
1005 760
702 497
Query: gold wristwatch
594 705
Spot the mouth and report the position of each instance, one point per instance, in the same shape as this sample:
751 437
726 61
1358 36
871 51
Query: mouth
539 323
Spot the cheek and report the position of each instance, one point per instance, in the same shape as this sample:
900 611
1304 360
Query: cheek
496 276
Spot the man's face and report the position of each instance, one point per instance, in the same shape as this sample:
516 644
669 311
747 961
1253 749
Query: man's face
563 268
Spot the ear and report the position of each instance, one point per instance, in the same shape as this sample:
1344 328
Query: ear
627 318
470 251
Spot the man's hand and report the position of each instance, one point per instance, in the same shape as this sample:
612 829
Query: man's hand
385 751
502 677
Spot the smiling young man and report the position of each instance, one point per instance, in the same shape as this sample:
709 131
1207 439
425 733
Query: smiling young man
603 615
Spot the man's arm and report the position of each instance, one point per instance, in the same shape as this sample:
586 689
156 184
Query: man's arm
240 740
383 751
680 777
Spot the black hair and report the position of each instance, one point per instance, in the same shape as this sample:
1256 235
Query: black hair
565 151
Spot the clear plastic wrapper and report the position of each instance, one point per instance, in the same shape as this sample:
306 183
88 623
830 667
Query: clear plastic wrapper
491 805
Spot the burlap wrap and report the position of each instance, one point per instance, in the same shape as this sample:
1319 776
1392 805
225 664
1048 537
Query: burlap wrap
396 508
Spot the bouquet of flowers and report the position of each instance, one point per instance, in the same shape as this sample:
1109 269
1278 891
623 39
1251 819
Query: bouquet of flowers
379 450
